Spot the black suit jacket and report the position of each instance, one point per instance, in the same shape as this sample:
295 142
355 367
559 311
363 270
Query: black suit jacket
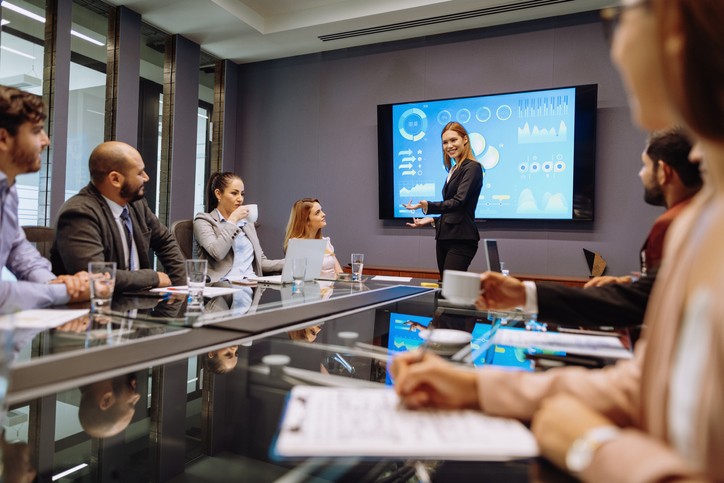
615 305
460 198
86 231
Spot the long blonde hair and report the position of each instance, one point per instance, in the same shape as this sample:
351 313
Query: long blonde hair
298 218
468 150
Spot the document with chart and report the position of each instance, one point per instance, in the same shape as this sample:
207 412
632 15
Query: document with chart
324 421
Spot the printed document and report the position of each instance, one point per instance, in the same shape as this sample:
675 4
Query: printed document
365 422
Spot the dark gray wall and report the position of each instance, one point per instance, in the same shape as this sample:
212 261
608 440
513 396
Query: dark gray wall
307 127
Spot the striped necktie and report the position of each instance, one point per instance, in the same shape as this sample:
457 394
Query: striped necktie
129 235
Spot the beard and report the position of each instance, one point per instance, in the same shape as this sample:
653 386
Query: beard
29 161
130 194
654 196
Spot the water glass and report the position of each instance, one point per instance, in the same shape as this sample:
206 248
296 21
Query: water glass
504 270
299 271
102 278
196 282
358 261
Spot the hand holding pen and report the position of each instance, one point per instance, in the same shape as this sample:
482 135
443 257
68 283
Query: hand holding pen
423 379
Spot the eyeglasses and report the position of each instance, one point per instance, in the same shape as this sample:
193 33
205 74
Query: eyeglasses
611 16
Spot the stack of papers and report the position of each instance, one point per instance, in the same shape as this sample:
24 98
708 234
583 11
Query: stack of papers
342 422
590 345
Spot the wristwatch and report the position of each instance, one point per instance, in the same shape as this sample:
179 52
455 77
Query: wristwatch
580 454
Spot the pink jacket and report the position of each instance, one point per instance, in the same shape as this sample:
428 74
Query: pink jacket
634 393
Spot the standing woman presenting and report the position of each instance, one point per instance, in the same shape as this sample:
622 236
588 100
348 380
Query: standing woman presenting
455 231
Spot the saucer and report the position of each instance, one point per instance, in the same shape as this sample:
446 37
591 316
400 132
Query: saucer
446 342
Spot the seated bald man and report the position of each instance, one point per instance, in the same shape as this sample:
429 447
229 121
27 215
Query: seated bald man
109 220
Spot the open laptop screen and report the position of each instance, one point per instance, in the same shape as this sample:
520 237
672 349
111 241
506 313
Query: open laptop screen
491 255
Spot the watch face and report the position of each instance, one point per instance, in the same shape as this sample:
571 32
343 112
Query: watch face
579 456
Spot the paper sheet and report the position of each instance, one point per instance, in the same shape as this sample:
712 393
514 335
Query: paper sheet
594 345
324 421
41 318
209 292
386 278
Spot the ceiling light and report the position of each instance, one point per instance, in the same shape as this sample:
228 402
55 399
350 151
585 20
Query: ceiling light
17 52
30 14
22 11
71 470
86 38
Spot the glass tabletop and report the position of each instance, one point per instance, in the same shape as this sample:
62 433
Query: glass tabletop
213 416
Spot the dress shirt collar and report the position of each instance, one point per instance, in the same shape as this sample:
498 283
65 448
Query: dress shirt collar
116 209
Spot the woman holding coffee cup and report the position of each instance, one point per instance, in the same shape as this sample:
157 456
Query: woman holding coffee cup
226 236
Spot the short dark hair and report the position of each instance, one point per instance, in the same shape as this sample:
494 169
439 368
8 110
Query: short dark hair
672 147
18 107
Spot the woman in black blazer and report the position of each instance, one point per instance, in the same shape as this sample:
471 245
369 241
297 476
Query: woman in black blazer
455 230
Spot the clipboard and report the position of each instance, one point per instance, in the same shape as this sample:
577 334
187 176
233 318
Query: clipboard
368 423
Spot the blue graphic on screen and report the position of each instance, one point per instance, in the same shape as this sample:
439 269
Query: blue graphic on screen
499 355
404 334
524 141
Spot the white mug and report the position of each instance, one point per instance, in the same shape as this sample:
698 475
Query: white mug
460 288
253 213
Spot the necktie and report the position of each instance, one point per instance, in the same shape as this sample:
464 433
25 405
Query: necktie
129 235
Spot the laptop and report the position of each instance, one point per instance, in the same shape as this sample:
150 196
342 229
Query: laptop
491 254
312 250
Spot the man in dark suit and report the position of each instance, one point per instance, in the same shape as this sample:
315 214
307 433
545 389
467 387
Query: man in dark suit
671 178
109 220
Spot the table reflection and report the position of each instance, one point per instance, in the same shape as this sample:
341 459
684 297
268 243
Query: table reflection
107 407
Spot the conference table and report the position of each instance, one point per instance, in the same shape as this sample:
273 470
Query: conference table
153 393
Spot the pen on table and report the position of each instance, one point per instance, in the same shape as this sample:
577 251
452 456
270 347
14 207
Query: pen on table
422 350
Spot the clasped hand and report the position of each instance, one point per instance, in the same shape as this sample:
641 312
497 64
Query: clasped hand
77 286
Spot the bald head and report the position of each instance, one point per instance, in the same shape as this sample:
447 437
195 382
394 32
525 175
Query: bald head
117 170
110 156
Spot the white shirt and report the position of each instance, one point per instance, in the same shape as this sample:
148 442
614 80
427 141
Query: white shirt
117 209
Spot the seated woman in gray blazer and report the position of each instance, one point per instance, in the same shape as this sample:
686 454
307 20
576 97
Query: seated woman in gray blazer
226 236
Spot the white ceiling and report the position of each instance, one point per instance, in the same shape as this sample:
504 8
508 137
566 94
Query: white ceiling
255 30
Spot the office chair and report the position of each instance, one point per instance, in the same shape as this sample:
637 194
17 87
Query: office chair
183 231
42 237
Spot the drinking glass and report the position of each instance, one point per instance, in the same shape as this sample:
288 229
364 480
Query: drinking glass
102 278
358 261
299 270
196 282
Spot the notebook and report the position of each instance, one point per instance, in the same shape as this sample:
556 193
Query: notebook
312 250
491 255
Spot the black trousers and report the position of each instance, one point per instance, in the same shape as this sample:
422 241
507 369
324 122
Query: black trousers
455 254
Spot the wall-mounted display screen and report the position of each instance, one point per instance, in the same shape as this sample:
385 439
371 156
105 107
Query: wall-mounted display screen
537 149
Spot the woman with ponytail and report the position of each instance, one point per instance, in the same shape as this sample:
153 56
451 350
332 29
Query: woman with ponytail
226 236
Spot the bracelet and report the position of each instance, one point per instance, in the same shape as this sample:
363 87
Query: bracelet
580 454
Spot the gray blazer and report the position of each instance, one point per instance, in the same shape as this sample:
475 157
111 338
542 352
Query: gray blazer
215 242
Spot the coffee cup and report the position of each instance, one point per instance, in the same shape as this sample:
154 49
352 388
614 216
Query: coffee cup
253 213
460 288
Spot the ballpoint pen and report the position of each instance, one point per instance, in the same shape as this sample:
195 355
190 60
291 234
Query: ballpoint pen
422 350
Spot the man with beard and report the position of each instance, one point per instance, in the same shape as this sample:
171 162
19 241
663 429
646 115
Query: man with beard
669 178
22 141
109 220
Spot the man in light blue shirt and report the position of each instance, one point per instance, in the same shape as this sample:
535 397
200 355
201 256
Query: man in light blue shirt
22 140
